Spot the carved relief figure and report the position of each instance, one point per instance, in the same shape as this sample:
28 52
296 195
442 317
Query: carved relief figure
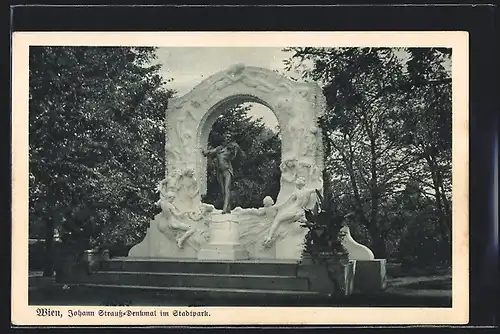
305 170
295 128
288 170
258 81
187 182
308 147
173 153
292 210
183 127
179 135
301 125
223 155
249 77
268 209
185 185
316 175
309 170
219 84
174 219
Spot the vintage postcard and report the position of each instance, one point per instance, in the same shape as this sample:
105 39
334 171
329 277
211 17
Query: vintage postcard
240 178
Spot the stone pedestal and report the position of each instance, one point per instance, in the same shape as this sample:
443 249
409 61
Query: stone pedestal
328 276
291 248
224 240
370 276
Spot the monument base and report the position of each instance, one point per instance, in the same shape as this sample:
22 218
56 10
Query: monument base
330 277
370 276
224 240
222 252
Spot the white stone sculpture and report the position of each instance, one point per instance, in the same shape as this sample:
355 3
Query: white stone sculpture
181 229
189 120
174 219
182 127
293 210
252 84
355 250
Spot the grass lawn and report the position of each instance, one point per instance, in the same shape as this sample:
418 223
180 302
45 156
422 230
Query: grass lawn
437 284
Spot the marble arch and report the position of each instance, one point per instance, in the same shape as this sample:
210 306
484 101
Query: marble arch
297 107
188 228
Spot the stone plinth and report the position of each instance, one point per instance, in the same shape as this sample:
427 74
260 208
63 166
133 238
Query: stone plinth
328 276
291 247
159 245
224 240
370 275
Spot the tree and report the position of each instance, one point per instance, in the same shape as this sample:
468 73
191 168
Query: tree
355 128
366 129
429 126
96 151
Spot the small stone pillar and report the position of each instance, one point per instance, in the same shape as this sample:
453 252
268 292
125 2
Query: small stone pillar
224 241
91 260
370 273
105 255
328 275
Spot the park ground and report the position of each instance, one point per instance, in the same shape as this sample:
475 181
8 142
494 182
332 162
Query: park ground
424 288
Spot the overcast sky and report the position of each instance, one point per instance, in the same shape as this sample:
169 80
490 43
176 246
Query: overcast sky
189 66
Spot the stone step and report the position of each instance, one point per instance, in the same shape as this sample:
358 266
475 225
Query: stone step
199 280
191 266
134 295
198 290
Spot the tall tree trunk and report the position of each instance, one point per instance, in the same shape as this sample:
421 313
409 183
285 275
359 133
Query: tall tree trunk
357 204
442 219
48 269
379 247
378 242
447 208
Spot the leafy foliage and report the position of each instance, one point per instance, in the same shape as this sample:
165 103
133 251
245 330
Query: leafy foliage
387 128
324 224
96 147
96 141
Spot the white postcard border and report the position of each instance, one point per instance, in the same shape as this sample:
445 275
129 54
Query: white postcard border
23 314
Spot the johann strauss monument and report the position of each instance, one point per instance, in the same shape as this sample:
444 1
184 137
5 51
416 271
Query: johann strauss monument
188 228
191 231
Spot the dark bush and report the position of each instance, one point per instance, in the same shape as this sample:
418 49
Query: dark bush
421 247
324 225
36 254
119 250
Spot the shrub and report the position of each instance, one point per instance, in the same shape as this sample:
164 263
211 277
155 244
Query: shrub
36 254
421 247
324 225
